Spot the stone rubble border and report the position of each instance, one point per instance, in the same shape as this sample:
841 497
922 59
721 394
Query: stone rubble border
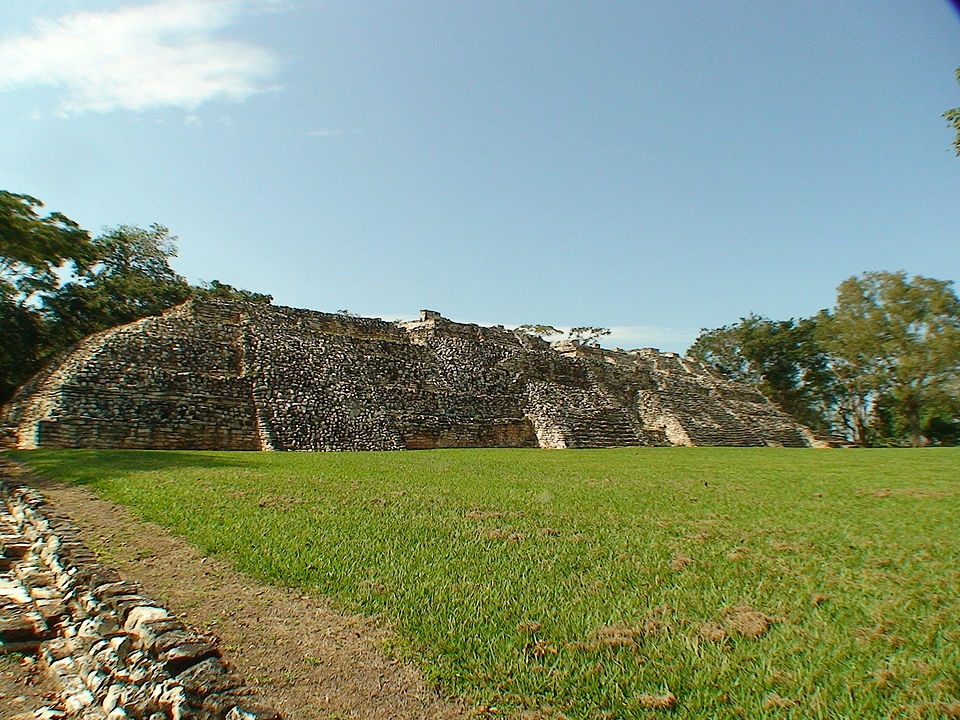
115 653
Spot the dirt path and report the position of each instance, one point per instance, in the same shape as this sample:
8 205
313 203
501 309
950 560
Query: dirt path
23 688
304 659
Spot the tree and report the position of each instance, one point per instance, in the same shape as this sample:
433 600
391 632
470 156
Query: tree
722 349
881 367
587 334
21 351
216 290
34 248
57 285
130 279
35 251
540 331
894 344
953 117
780 358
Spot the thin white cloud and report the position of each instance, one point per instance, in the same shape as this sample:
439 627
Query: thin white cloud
638 336
139 57
328 132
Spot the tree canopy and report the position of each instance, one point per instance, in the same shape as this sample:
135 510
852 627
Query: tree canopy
587 334
34 248
58 285
953 117
783 359
895 349
130 279
881 367
540 331
584 335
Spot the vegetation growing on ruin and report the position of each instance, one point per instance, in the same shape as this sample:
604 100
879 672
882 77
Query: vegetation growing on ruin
58 285
689 582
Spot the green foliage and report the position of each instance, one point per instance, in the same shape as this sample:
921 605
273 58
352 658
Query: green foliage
587 335
21 350
881 367
540 331
953 118
895 345
131 279
34 248
216 290
783 359
593 581
943 430
58 286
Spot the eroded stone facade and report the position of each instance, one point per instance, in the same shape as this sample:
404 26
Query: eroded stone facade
237 376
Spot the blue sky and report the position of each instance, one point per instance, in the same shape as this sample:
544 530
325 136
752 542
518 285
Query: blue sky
649 166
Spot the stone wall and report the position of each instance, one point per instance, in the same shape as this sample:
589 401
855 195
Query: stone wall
217 375
173 381
114 653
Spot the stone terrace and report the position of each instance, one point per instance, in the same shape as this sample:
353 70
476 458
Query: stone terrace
219 375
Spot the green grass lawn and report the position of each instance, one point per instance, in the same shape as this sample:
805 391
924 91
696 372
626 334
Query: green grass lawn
602 583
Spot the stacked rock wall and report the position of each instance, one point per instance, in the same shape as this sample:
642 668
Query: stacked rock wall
172 381
218 375
115 653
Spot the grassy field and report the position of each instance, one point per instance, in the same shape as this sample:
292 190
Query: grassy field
652 582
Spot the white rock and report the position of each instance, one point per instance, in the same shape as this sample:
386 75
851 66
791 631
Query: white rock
142 614
111 698
13 590
78 701
64 667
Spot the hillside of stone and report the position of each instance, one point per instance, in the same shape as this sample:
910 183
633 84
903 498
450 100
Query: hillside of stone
238 376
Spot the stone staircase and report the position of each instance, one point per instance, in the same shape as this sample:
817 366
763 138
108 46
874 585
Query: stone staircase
610 427
705 420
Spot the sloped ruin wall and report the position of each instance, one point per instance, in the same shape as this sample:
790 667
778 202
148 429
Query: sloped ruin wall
238 376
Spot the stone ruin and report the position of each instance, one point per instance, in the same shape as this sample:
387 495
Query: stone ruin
112 652
239 376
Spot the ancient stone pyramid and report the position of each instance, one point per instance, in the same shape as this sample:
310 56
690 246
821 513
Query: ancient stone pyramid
238 376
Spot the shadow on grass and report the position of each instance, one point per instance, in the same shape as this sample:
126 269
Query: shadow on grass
83 467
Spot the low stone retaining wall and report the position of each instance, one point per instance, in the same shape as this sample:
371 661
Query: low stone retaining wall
115 653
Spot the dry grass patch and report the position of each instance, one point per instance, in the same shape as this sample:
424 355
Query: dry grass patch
276 502
738 553
540 648
484 514
745 621
529 627
774 701
742 621
657 702
712 632
610 637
